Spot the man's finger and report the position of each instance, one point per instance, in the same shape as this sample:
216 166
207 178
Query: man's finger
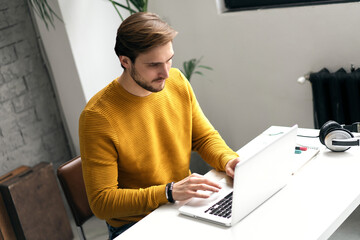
205 187
202 180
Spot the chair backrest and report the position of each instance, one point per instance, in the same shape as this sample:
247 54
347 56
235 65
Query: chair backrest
71 179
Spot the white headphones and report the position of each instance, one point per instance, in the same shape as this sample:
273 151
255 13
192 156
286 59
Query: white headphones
338 138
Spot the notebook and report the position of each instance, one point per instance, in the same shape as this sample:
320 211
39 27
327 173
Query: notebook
263 172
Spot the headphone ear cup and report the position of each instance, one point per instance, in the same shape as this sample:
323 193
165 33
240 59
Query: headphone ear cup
332 130
327 128
337 134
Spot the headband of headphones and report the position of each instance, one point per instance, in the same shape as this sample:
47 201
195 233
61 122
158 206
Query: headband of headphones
355 127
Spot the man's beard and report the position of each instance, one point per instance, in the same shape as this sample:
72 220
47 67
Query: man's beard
140 81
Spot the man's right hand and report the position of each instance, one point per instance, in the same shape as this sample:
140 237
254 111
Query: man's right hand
188 187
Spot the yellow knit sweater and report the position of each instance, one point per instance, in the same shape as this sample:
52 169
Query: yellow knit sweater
132 146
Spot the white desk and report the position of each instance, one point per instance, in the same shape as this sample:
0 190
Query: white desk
313 205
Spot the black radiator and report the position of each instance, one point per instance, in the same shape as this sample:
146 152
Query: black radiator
336 96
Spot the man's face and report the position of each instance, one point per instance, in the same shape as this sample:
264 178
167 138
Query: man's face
151 69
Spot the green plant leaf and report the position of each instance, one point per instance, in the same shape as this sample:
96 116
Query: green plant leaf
123 6
118 12
132 6
205 67
138 4
44 11
190 67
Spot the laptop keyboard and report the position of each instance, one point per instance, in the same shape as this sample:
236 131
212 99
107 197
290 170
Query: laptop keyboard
222 208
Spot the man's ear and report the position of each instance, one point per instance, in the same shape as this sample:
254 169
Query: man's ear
125 61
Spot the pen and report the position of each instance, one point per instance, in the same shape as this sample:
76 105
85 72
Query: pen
297 151
301 148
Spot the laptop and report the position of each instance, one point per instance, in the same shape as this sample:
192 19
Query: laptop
263 171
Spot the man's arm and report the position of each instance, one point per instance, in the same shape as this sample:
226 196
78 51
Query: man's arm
213 149
206 140
100 171
188 187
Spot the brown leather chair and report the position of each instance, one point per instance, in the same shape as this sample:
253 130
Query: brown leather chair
72 182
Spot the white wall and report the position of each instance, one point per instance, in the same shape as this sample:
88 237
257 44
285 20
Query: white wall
64 73
257 57
91 27
80 53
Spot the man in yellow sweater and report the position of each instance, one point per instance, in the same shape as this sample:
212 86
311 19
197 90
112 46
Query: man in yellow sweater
137 134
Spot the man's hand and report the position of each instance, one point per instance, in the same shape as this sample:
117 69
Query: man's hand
188 187
230 167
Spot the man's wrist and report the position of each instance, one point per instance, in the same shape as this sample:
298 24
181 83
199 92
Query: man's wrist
168 192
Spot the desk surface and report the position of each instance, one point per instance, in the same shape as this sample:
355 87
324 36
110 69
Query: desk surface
317 199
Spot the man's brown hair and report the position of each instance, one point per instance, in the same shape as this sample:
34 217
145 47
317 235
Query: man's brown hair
140 33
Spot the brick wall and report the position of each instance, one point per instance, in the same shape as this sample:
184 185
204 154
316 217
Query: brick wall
31 129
